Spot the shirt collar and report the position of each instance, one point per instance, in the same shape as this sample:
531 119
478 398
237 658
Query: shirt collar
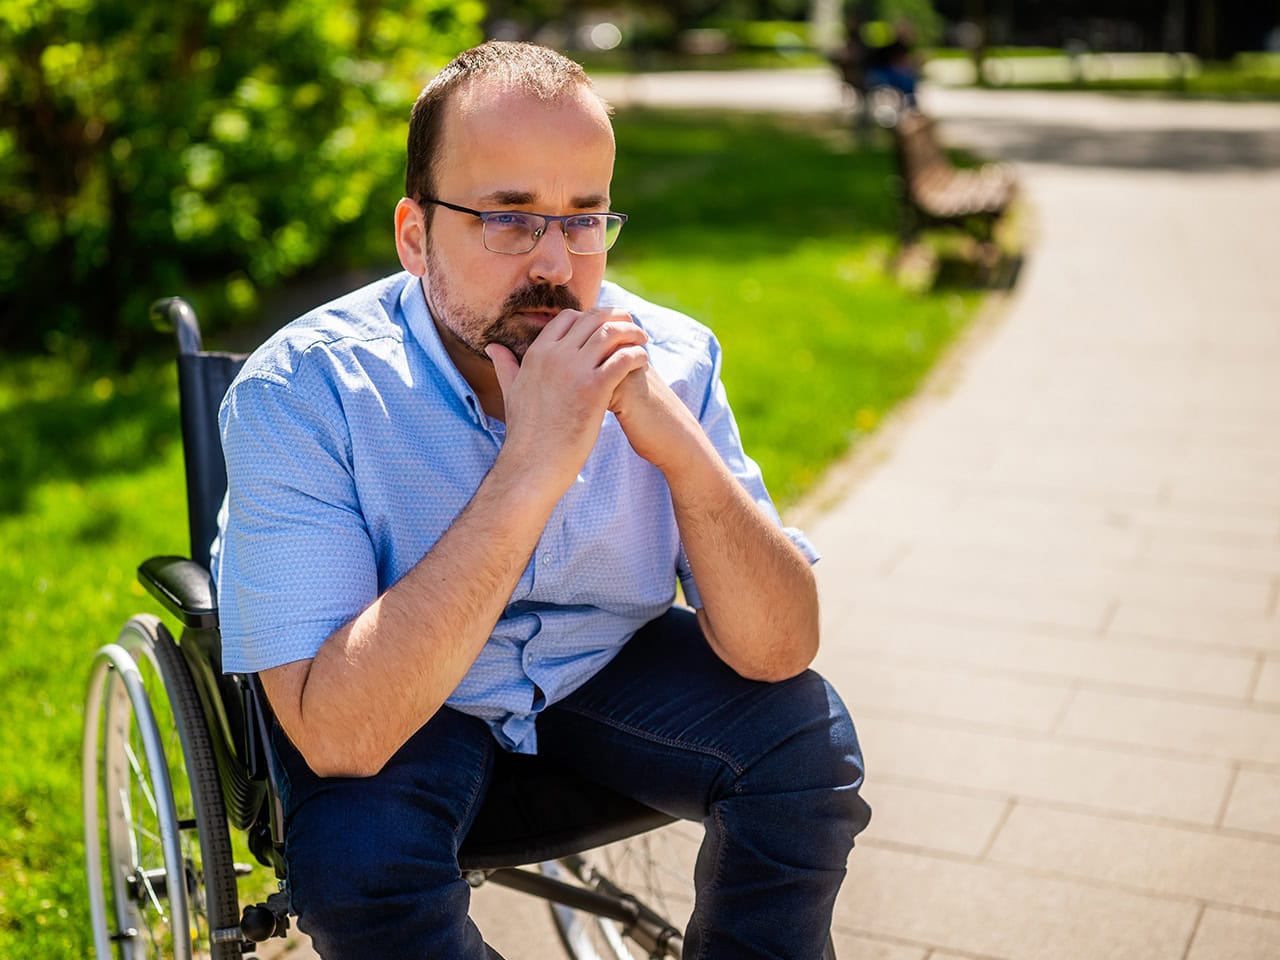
413 302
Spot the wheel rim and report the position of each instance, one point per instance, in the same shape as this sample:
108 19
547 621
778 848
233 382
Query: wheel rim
143 847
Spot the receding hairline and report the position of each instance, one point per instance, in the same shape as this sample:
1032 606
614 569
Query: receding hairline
538 72
478 93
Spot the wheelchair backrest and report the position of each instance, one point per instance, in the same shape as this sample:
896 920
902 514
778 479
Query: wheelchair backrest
203 378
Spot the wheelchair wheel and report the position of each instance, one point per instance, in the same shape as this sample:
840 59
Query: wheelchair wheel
657 869
162 883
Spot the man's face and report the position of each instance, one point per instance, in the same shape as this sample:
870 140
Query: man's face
506 150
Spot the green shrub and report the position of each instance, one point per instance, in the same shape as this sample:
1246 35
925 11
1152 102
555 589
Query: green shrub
219 145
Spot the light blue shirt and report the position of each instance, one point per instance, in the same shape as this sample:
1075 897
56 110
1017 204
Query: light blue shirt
352 443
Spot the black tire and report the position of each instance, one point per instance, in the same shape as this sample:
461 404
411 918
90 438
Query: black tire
129 828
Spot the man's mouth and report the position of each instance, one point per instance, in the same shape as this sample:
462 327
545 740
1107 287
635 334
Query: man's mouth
536 315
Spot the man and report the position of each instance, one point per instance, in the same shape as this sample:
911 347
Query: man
458 503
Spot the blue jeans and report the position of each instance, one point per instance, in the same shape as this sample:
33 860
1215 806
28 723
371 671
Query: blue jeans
771 770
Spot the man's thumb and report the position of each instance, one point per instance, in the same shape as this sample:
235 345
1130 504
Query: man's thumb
505 364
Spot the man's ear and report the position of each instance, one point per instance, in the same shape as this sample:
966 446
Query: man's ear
411 237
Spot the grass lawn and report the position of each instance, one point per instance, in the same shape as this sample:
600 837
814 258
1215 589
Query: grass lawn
776 235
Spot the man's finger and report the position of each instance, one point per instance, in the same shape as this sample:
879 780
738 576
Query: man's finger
623 361
505 365
592 320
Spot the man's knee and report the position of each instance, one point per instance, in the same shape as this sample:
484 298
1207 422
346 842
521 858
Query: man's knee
811 754
357 876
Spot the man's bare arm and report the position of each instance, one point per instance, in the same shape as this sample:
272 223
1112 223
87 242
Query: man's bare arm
760 600
379 678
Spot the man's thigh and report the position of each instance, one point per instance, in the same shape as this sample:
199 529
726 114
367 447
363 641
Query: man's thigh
373 861
670 724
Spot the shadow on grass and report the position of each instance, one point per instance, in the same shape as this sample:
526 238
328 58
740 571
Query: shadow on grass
83 431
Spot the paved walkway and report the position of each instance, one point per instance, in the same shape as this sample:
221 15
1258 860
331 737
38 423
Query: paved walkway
1053 605
1051 586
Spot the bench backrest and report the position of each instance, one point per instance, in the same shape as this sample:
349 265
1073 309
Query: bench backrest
918 151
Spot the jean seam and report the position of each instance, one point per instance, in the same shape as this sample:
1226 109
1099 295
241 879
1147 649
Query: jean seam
472 801
720 755
717 872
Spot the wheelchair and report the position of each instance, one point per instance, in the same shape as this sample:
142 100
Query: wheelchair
176 763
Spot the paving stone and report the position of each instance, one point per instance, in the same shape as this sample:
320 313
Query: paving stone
1197 863
931 818
1002 912
1226 935
997 603
1269 682
1123 781
1022 703
1236 593
515 924
1068 656
1261 492
1251 555
1146 619
1129 477
1243 732
1164 520
852 947
1255 804
1045 525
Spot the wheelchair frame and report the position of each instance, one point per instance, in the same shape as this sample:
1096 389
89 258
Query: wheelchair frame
220 725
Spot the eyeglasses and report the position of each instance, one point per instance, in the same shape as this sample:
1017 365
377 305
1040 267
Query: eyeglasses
513 231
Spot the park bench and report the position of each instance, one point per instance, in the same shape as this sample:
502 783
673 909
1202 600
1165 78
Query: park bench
933 192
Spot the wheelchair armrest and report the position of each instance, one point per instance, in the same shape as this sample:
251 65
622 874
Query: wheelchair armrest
184 587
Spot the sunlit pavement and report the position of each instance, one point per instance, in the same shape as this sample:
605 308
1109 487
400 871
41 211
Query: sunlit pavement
1051 585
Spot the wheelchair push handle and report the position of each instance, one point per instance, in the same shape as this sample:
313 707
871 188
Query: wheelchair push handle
176 315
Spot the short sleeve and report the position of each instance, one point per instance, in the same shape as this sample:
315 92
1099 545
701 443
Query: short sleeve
295 559
717 421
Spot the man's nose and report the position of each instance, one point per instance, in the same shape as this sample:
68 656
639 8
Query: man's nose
552 263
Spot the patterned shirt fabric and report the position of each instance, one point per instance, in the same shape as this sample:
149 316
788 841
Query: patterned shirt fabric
352 443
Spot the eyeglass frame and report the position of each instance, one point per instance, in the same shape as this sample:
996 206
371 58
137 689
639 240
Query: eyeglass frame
547 220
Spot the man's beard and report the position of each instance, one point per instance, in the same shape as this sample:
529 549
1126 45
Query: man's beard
515 335
473 333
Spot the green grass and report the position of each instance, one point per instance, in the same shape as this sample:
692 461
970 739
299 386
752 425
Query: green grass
780 241
1248 76
777 236
1213 82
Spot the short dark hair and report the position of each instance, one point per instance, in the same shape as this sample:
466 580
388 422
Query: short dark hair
537 70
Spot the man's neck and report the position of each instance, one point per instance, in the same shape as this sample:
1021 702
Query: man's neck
476 370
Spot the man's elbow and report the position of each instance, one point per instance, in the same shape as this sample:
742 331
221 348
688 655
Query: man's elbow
778 656
333 753
790 660
328 763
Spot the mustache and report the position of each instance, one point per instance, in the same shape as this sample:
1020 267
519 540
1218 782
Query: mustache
541 297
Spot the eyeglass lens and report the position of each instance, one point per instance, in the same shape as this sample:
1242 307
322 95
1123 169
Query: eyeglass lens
515 232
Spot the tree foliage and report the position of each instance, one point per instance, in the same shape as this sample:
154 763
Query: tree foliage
150 146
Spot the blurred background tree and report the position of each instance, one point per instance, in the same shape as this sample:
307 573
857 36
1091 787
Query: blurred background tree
214 147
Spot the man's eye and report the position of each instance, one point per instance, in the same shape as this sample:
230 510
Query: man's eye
585 222
509 219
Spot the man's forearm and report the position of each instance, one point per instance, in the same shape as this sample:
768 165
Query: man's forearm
379 678
760 601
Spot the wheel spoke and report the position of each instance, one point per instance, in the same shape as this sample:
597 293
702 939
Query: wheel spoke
141 779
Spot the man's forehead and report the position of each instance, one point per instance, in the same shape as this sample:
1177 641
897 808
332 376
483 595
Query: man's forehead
502 139
484 97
